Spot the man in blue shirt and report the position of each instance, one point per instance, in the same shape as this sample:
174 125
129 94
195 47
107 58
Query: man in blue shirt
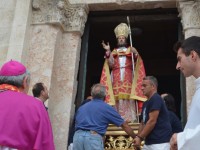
155 126
92 120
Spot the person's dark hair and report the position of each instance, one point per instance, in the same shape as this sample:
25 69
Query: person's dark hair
170 102
37 88
98 91
188 45
177 45
153 80
16 80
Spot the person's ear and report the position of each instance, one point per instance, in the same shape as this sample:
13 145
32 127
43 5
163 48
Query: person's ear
194 55
25 85
153 86
42 92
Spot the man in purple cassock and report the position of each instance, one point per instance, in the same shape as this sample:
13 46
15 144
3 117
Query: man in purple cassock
24 122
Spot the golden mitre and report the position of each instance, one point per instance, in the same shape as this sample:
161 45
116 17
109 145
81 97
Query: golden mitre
121 30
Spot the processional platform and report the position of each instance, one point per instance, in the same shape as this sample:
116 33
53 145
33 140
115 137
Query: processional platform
117 139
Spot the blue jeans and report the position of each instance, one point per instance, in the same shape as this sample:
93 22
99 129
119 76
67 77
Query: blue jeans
86 140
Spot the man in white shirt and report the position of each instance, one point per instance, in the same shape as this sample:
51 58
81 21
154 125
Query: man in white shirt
188 56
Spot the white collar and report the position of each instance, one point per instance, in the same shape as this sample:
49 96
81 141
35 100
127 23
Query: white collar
122 48
38 99
197 82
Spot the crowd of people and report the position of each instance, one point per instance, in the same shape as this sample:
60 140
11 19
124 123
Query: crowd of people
159 128
128 89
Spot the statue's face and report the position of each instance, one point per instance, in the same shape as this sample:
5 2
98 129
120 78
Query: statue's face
121 41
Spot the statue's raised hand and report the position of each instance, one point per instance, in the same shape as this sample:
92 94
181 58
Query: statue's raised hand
106 46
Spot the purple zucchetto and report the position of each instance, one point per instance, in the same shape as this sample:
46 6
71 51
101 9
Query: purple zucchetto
12 68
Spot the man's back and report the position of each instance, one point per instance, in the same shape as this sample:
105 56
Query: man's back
92 120
24 122
96 115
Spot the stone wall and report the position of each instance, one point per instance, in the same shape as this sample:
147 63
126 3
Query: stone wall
102 5
54 55
7 9
46 36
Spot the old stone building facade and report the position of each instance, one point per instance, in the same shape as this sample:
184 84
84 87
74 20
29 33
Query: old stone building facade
46 35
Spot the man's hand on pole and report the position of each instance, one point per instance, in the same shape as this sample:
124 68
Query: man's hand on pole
173 142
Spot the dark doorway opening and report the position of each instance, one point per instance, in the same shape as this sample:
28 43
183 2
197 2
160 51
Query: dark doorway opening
154 33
